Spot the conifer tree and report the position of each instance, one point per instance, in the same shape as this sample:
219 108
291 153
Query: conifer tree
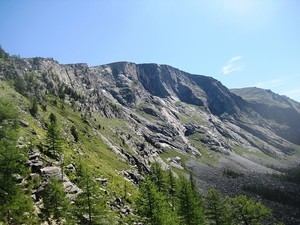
172 189
247 211
74 133
216 209
158 177
90 204
190 209
56 205
152 205
52 118
34 108
13 201
53 139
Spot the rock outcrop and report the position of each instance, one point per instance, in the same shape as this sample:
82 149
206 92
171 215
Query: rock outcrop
165 106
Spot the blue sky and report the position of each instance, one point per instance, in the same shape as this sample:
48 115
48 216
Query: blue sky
241 43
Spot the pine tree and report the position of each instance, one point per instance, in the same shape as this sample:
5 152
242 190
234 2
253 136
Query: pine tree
52 118
74 133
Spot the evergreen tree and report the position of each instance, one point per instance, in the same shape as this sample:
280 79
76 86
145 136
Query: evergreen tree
247 211
53 139
172 189
216 209
34 108
193 184
158 177
56 205
90 205
52 118
74 133
152 205
13 201
190 208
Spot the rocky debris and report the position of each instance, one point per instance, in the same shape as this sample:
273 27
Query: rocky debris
132 176
208 177
118 204
175 162
175 165
71 167
126 210
102 181
182 106
71 189
52 171
35 161
34 155
36 166
23 123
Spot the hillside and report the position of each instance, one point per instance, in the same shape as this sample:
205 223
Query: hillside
128 115
280 109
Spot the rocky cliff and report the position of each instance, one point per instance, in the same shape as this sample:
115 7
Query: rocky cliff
167 105
154 112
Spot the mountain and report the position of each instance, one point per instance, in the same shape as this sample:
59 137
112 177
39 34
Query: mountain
130 115
280 109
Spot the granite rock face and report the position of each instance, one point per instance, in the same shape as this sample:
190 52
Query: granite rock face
166 107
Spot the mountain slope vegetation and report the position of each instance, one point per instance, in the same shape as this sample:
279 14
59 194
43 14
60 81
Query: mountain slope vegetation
97 130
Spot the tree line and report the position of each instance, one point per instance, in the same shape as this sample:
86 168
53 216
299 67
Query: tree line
16 203
165 199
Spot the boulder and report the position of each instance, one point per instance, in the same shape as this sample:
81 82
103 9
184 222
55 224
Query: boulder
71 166
36 166
103 181
23 123
50 171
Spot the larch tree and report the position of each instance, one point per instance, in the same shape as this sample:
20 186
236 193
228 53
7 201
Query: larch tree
216 209
53 138
153 206
56 204
247 211
190 209
13 200
91 204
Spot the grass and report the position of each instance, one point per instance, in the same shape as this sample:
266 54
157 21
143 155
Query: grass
244 152
297 149
140 111
208 156
194 118
170 153
100 160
